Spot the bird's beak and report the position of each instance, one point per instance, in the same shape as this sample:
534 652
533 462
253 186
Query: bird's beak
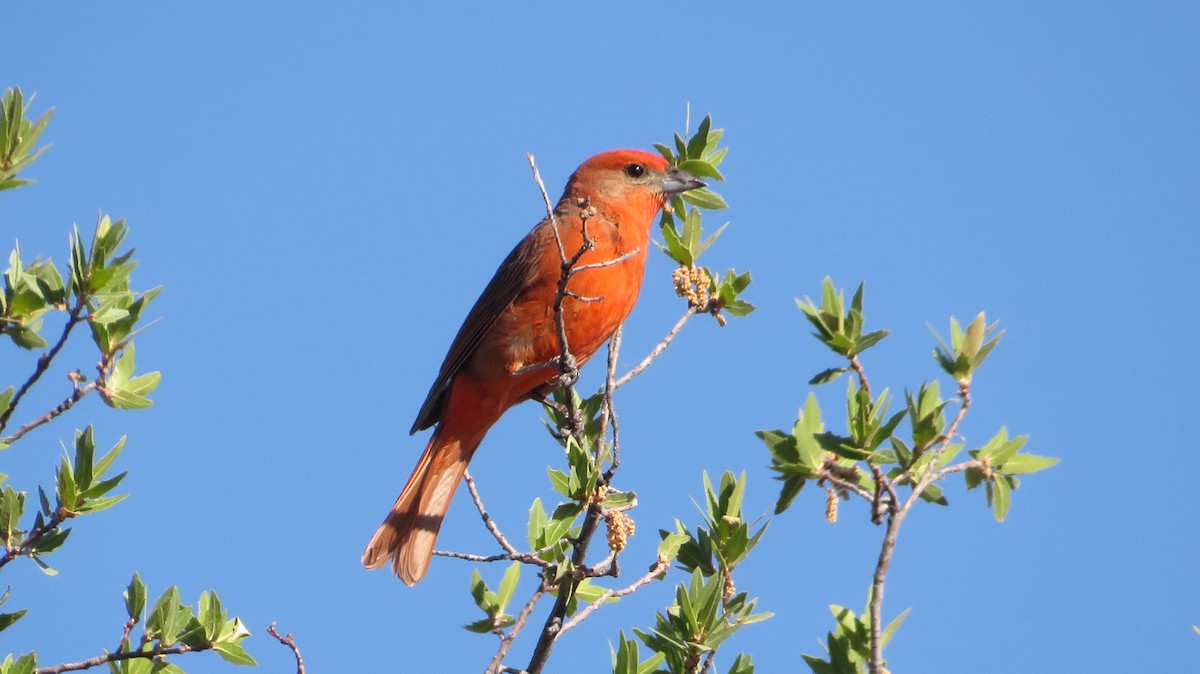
678 180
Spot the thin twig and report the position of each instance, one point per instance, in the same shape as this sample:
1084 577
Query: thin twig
487 519
510 552
518 625
657 350
606 263
609 415
53 413
151 654
862 375
290 642
43 362
124 643
530 558
849 487
958 468
655 570
537 178
883 485
25 547
843 477
895 519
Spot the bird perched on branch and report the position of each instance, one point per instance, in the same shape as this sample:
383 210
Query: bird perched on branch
508 347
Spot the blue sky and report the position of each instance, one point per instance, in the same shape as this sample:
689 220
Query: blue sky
324 190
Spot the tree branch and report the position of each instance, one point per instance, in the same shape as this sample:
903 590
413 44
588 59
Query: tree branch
505 642
290 642
896 518
655 570
43 363
117 657
25 547
657 350
487 519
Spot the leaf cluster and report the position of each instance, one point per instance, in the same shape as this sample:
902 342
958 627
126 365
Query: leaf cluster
682 231
996 466
171 623
848 647
29 292
494 603
872 436
18 136
839 328
81 488
967 349
725 538
707 608
700 154
700 620
94 290
875 458
97 292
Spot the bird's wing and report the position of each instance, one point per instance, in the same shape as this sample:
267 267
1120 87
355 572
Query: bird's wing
515 275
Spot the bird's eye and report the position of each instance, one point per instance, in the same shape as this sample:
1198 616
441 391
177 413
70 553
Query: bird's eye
634 170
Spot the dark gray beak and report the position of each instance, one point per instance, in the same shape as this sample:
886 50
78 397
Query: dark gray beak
678 180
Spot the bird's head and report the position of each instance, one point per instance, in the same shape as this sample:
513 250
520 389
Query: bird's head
628 180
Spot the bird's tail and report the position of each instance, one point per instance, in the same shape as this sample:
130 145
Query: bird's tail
408 533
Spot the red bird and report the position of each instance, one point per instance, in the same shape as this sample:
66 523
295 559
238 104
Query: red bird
492 363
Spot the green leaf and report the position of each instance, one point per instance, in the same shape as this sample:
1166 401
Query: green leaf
107 460
508 584
7 619
560 481
699 140
669 547
933 494
46 568
121 390
826 376
537 523
1027 463
85 451
702 169
888 631
210 615
27 337
26 664
620 499
708 242
1001 497
67 493
99 504
481 626
234 653
135 597
791 488
103 487
168 617
485 599
560 522
50 542
742 665
705 198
